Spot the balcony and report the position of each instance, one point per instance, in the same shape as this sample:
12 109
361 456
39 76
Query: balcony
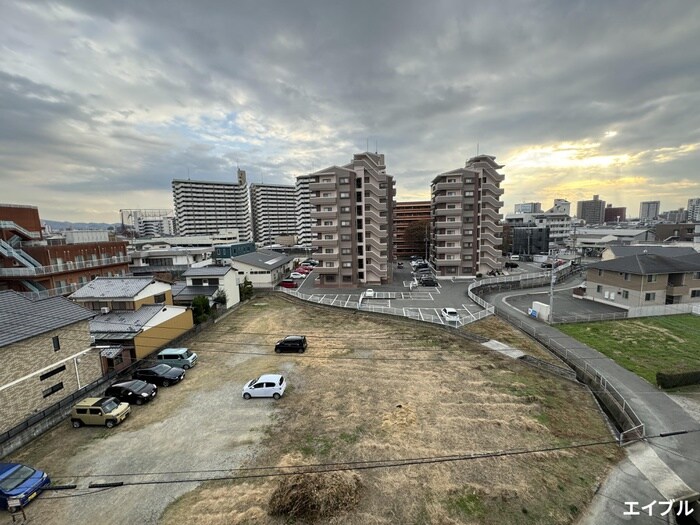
440 186
448 237
448 249
322 186
490 238
63 268
441 263
320 201
320 256
453 212
447 198
324 229
486 250
488 200
448 224
324 214
321 270
489 187
489 214
324 243
677 289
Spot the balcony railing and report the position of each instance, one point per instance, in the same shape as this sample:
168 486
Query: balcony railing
65 267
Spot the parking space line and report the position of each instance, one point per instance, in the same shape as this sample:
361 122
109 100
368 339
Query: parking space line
348 300
334 300
420 311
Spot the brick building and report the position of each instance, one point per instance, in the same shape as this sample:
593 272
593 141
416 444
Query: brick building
405 215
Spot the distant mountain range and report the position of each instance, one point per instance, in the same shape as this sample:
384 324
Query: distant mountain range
66 225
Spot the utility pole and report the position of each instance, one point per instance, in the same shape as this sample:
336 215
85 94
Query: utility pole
425 238
551 296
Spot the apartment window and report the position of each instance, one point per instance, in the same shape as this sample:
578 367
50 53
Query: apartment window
468 181
449 257
599 289
627 277
451 219
347 278
451 206
326 194
345 209
650 296
328 250
625 294
52 373
346 251
326 180
344 180
328 264
327 208
56 343
345 224
344 195
450 245
651 278
451 180
328 223
467 257
451 194
345 237
52 390
468 193
347 265
468 245
451 269
328 237
468 232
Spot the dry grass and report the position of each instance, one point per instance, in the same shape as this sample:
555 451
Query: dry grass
422 393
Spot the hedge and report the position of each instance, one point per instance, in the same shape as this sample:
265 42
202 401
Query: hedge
665 380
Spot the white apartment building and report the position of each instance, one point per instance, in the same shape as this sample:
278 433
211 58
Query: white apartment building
303 210
694 210
649 210
528 207
465 215
205 208
149 222
352 222
274 211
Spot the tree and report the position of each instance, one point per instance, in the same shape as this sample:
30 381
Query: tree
220 297
200 309
246 289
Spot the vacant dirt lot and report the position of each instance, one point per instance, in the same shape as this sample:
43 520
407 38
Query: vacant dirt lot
371 388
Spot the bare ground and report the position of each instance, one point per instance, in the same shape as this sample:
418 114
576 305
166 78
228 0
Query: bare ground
372 388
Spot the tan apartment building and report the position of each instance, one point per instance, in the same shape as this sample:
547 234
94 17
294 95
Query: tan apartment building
465 214
411 215
352 222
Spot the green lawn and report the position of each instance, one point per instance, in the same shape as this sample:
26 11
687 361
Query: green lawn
646 345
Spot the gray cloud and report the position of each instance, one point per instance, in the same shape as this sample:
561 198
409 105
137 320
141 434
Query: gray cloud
116 99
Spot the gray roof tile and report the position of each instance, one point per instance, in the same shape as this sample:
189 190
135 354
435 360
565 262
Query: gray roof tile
22 318
266 259
207 271
125 321
666 251
113 287
649 263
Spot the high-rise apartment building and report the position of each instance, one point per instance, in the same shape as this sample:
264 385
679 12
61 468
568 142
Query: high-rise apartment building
352 222
560 206
409 238
303 210
465 214
274 209
614 214
205 208
694 210
593 211
148 223
649 210
528 207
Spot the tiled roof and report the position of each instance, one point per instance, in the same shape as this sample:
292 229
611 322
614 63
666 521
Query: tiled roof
649 263
125 321
207 271
666 251
113 287
22 318
265 259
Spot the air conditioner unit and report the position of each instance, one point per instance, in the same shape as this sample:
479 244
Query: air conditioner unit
104 309
92 339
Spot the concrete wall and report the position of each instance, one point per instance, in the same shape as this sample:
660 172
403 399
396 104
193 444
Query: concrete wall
22 359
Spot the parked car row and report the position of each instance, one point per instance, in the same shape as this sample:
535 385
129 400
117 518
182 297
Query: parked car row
300 272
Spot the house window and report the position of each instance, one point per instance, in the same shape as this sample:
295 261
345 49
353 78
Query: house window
344 180
56 343
696 275
628 277
695 293
651 278
650 296
51 373
599 289
52 390
159 298
625 294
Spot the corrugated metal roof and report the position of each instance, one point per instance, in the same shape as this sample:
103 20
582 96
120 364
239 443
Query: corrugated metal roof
22 318
113 287
265 259
666 251
190 292
125 321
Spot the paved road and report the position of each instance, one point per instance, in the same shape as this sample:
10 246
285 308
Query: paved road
658 469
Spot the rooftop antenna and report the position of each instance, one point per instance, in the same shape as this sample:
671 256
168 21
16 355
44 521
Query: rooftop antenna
375 146
367 144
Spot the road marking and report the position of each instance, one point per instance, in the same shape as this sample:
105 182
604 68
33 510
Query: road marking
666 481
420 311
334 300
346 302
469 312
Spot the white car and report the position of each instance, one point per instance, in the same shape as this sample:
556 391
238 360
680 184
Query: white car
449 314
369 292
297 275
267 385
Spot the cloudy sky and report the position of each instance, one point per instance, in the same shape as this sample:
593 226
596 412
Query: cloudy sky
102 104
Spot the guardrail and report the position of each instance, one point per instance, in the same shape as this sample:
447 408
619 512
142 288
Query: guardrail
65 267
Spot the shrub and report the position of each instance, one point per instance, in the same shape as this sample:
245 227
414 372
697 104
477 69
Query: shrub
666 380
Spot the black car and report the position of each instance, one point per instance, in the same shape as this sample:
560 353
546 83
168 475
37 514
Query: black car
428 281
135 392
163 375
291 343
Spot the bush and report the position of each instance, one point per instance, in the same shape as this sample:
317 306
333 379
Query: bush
665 380
246 288
315 496
200 309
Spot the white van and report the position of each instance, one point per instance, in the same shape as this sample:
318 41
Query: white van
515 257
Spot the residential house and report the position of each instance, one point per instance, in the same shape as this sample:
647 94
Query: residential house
613 252
645 280
263 268
46 354
208 281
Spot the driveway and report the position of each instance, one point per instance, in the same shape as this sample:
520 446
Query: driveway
196 429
